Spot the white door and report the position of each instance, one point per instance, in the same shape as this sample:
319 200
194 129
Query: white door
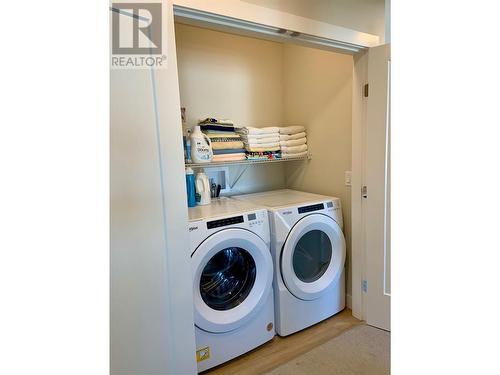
377 200
151 321
313 256
232 278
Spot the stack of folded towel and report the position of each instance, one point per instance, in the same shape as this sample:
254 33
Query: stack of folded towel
260 143
226 144
293 142
216 124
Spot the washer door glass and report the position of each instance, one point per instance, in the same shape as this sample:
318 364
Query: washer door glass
312 256
228 278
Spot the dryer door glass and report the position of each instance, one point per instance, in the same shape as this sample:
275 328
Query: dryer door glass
312 255
228 278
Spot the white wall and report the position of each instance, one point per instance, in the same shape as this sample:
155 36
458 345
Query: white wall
234 77
363 15
138 308
318 94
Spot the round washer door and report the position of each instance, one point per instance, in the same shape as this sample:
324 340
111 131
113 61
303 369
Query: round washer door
232 278
313 256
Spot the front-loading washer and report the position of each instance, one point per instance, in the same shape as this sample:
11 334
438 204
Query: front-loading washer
232 272
308 249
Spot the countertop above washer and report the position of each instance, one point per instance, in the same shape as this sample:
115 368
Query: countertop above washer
222 206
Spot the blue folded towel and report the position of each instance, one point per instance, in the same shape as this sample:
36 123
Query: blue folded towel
222 128
225 152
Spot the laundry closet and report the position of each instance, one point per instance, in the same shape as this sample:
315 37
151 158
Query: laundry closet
258 75
261 83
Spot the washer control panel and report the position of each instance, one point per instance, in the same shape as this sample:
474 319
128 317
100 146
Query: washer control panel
224 222
256 219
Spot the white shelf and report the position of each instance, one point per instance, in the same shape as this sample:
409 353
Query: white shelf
244 162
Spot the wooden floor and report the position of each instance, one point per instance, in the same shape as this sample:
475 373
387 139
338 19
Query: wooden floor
284 349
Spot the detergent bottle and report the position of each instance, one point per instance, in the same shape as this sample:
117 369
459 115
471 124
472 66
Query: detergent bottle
201 146
190 187
202 189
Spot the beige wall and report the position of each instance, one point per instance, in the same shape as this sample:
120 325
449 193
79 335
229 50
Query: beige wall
228 75
235 77
363 15
318 94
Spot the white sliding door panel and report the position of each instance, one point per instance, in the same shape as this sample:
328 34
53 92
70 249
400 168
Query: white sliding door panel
377 179
151 322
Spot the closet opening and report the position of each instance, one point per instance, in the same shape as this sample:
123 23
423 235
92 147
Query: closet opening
265 83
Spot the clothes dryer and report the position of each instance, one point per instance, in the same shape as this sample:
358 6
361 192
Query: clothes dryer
308 250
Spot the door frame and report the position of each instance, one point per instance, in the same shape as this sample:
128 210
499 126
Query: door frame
359 110
359 128
318 34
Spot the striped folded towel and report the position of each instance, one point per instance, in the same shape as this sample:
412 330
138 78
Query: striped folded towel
262 149
266 155
215 120
223 136
225 141
292 129
288 137
229 151
229 157
252 130
293 149
293 142
227 145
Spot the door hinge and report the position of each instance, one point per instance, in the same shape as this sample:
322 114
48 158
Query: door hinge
364 286
365 90
364 191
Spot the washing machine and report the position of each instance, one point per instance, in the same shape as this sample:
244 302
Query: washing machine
232 272
308 249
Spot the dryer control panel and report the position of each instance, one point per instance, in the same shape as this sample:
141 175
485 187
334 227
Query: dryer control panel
331 208
311 208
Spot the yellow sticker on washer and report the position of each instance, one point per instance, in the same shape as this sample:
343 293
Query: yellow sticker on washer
203 354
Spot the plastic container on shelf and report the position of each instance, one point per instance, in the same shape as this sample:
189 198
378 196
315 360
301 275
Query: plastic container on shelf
202 189
190 187
201 146
187 145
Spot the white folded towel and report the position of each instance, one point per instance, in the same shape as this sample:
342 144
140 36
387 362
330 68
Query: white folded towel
262 145
295 155
251 130
293 142
264 138
292 129
288 137
293 149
